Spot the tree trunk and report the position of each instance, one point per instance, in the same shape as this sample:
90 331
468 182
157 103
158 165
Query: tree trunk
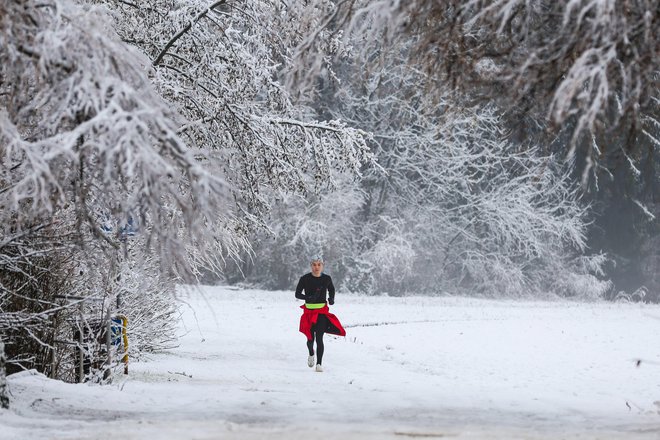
4 399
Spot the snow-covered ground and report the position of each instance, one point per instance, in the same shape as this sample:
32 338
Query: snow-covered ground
413 367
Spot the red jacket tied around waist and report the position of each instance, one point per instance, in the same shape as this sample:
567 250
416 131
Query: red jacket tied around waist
310 316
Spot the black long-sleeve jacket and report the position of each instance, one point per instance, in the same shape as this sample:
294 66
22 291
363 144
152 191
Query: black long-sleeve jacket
315 289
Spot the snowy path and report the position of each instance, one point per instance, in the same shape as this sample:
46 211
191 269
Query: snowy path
409 368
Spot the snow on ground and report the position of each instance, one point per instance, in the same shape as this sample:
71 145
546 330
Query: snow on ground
414 367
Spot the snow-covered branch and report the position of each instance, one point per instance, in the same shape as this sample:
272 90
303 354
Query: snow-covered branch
583 65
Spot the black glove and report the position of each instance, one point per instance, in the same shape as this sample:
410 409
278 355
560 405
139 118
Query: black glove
331 301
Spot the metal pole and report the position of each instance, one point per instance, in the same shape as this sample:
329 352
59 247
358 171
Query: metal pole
124 331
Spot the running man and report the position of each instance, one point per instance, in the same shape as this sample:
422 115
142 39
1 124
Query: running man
316 318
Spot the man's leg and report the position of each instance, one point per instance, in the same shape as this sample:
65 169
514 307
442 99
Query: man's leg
310 348
319 347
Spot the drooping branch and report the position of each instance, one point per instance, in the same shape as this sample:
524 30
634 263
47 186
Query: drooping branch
185 29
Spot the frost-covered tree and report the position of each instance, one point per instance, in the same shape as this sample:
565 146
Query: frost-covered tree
4 398
453 206
216 62
82 127
578 78
300 227
178 135
83 137
589 66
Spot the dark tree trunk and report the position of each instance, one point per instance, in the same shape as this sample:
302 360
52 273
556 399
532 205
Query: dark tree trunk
4 399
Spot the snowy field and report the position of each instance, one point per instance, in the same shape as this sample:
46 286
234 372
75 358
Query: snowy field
409 368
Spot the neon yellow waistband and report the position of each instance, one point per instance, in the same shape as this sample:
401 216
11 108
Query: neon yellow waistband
315 306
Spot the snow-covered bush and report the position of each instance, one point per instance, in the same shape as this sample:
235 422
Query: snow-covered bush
35 266
639 295
146 299
586 279
393 255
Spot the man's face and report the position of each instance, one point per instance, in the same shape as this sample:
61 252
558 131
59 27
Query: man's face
317 268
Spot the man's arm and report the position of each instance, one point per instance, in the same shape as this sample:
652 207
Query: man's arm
299 289
331 291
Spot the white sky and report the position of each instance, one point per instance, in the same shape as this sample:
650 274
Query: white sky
440 367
